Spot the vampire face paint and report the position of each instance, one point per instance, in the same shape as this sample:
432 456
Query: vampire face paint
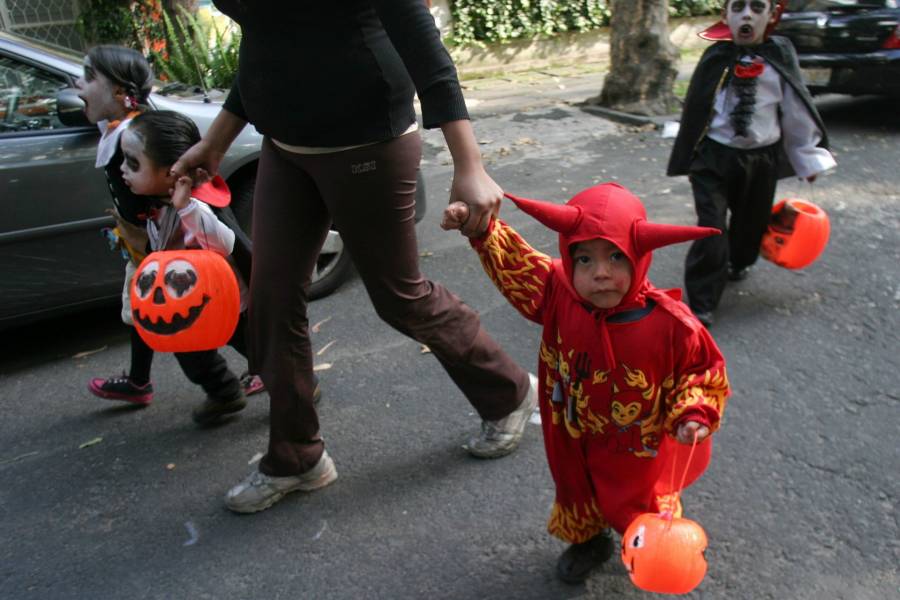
748 20
99 95
139 172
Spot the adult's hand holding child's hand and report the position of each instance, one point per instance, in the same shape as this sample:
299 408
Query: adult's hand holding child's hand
688 429
199 162
482 196
455 216
181 193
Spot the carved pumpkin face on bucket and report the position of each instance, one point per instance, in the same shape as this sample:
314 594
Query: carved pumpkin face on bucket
185 300
664 554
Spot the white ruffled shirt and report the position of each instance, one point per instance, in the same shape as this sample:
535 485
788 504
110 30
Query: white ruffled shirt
109 140
793 123
194 226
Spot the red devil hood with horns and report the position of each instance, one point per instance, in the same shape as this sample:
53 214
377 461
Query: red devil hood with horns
614 384
611 212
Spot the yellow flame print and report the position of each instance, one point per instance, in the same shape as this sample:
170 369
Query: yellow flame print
512 268
635 378
709 389
576 524
596 423
548 356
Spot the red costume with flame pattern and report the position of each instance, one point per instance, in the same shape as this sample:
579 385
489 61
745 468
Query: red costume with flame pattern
614 383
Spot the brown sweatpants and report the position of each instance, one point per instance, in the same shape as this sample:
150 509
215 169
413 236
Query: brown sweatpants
369 194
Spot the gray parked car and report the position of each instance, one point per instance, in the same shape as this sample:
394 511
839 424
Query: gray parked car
52 199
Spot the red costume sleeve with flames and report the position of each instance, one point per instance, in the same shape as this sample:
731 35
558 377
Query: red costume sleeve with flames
520 272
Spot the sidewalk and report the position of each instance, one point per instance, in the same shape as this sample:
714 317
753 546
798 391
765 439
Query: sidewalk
571 84
568 69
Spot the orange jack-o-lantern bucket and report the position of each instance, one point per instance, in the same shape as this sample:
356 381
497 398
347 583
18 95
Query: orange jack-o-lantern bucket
797 234
185 300
664 554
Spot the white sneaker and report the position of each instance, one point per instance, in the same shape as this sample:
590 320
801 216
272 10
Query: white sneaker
259 491
499 438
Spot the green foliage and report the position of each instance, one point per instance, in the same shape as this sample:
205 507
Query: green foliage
478 22
197 52
105 22
691 8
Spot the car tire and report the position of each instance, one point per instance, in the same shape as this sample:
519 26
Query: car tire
333 266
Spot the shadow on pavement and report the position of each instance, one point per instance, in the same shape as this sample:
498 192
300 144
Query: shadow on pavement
62 337
860 113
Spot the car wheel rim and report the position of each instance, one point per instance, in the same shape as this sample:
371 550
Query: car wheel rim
329 256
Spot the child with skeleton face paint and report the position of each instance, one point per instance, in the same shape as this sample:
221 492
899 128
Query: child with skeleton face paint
747 121
115 87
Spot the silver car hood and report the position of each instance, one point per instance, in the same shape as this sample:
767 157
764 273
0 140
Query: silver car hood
245 147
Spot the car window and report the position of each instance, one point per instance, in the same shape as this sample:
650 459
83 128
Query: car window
28 97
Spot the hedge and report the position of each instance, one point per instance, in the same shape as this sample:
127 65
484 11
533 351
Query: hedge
482 22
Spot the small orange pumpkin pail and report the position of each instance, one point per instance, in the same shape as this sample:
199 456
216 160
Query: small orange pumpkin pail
798 233
664 554
185 300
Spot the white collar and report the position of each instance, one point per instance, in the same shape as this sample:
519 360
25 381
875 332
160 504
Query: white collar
109 141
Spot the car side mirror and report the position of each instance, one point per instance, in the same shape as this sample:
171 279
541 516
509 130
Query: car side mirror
70 108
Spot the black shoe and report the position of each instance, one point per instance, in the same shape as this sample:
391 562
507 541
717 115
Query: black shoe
738 274
578 560
214 408
705 316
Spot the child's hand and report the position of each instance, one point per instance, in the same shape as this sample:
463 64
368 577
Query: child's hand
133 235
181 193
686 431
455 215
472 185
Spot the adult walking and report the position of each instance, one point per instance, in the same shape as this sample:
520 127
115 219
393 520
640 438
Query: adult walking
330 85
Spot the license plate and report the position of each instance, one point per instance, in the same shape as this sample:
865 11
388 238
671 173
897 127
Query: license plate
818 77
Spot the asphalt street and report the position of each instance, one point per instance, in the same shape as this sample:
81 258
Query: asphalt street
99 500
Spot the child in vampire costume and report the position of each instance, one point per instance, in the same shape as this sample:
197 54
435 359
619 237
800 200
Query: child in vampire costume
115 87
747 121
618 378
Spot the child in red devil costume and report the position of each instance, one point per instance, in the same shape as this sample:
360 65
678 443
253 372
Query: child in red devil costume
628 376
748 120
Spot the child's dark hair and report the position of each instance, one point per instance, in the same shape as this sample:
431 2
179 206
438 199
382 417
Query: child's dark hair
772 4
166 135
125 67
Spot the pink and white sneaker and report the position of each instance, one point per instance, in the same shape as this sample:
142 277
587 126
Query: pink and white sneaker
122 388
252 384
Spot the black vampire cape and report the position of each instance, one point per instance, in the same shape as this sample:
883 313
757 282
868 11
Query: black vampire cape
713 72
134 209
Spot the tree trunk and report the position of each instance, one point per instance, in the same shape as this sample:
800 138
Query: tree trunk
642 70
171 6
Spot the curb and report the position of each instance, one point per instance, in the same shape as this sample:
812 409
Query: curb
628 118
